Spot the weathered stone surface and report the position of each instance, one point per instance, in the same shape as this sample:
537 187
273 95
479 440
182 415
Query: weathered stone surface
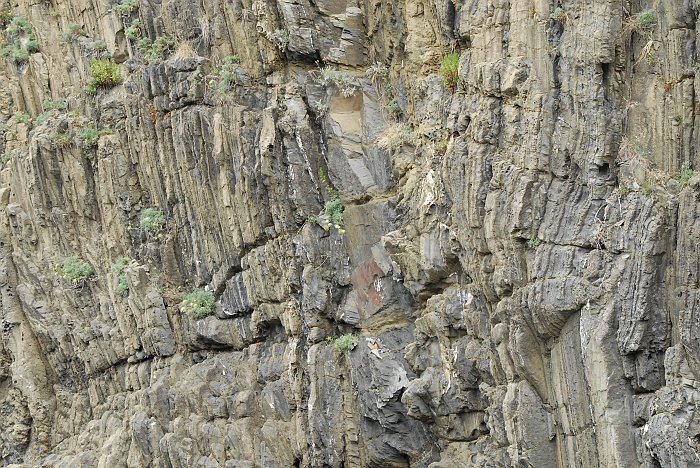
517 260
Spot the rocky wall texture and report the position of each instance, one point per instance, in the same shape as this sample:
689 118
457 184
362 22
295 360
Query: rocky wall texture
517 258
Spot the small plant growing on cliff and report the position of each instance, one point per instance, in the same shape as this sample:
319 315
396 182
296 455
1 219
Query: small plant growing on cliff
104 73
345 342
72 32
533 243
133 31
152 221
156 51
645 21
279 37
198 304
118 267
346 83
22 117
449 70
685 175
73 269
332 214
90 135
126 7
227 73
20 41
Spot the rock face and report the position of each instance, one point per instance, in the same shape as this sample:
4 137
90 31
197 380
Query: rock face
517 257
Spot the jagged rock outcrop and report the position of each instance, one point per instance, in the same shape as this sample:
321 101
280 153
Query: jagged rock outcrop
508 234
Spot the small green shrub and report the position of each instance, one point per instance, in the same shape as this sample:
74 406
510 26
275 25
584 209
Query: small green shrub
104 73
685 175
43 117
152 221
73 269
279 37
449 70
15 51
98 46
72 31
645 21
118 267
133 31
90 135
19 25
227 73
345 342
126 7
198 304
156 51
22 117
50 104
533 243
62 140
20 41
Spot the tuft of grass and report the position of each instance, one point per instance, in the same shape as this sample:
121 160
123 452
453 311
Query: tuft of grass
685 175
156 51
104 73
73 269
449 70
198 304
152 221
227 73
345 342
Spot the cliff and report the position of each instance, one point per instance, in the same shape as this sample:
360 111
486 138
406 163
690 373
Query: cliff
349 233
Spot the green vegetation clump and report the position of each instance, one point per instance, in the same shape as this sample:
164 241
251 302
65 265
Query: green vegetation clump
118 267
345 342
49 106
198 304
152 221
72 31
156 51
90 135
280 37
126 7
332 214
449 70
73 269
645 21
227 75
104 73
20 40
685 175
18 25
22 117
133 31
533 243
